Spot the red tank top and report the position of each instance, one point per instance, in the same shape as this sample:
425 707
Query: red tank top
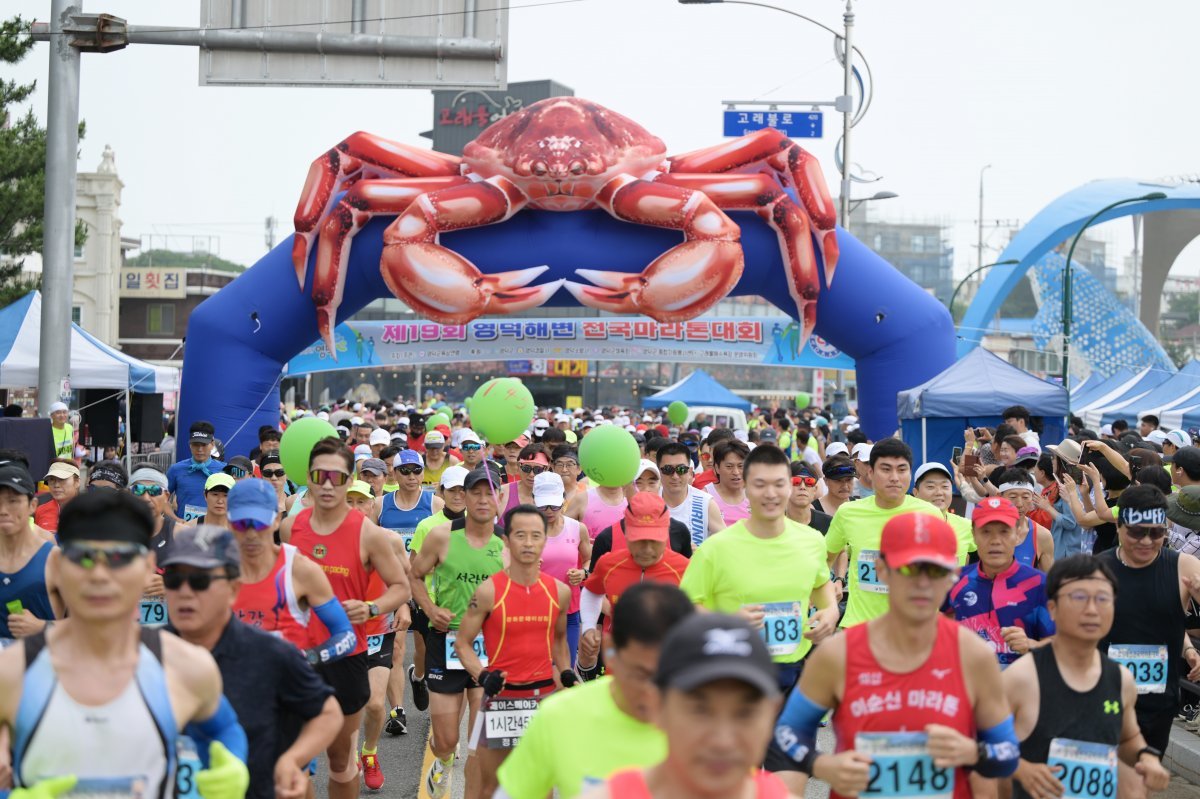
519 632
877 700
379 625
271 603
632 785
339 556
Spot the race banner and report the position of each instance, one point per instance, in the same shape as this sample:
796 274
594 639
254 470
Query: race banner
564 346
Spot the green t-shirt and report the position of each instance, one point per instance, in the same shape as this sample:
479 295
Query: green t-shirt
966 536
736 568
575 741
465 569
423 528
859 526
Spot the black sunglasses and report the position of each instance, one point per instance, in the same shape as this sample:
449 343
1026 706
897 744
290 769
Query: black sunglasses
409 470
532 468
1153 533
679 470
197 581
271 474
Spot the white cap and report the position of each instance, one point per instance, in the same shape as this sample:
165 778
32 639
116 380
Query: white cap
380 436
647 465
323 416
1179 438
362 451
562 417
849 420
598 417
469 435
435 437
358 406
356 421
704 431
454 476
548 489
647 418
631 428
932 466
862 452
1106 430
1157 436
836 448
741 435
589 424
58 406
541 424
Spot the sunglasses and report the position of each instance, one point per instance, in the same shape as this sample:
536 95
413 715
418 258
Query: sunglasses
236 472
471 447
1153 533
532 468
242 525
804 480
141 490
197 581
333 476
679 470
930 570
115 557
271 474
555 508
409 470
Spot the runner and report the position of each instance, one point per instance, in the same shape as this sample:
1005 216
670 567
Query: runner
909 668
216 500
805 485
1037 545
717 708
373 472
471 447
436 459
521 612
729 489
838 471
23 556
1073 708
139 690
599 507
710 439
348 547
403 509
289 714
108 474
378 440
361 497
568 548
460 556
531 462
934 483
508 455
63 481
578 738
695 508
186 479
63 433
858 526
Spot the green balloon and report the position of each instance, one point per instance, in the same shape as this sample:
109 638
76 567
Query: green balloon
436 419
297 442
467 403
677 412
502 409
803 400
609 456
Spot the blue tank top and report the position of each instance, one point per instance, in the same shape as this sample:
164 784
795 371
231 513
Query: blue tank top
405 522
1026 551
27 586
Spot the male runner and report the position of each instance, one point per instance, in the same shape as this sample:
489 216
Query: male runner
23 556
695 508
471 447
186 479
436 458
598 508
63 481
522 613
934 483
911 691
403 509
578 738
858 526
1073 708
216 500
138 689
348 547
1036 547
460 556
62 432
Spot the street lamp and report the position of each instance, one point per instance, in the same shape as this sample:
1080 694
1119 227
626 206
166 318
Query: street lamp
1066 288
879 195
972 274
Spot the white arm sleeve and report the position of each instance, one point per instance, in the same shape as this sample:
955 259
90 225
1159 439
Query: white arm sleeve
589 609
501 794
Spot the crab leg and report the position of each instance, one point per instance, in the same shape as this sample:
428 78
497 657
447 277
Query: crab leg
359 155
791 162
684 281
437 282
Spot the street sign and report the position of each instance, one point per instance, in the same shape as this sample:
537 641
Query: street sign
796 124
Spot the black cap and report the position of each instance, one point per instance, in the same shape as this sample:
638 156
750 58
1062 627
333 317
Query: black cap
239 462
200 437
1188 459
15 476
479 475
101 515
707 647
205 546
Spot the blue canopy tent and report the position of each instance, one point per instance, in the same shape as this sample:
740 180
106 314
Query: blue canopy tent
698 388
972 393
1082 395
1132 391
1179 389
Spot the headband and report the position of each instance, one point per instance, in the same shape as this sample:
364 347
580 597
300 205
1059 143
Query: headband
144 475
108 473
1153 517
1016 487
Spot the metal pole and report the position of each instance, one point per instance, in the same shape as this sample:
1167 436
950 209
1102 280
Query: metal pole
417 387
358 15
58 241
469 19
979 240
847 114
128 432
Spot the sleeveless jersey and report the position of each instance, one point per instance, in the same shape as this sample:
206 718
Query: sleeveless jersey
1027 551
432 478
514 498
730 513
877 700
693 512
519 632
271 604
298 503
600 514
562 554
27 586
130 739
339 556
1094 715
464 569
632 785
405 520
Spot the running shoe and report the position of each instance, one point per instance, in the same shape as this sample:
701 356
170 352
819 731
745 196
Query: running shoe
420 691
372 774
397 723
437 781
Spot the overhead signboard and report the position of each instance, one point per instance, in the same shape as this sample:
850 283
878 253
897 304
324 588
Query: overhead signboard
460 116
360 43
795 124
154 282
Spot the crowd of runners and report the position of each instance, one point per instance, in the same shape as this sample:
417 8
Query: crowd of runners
1013 621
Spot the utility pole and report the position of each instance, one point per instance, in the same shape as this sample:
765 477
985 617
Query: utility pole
979 239
270 233
847 113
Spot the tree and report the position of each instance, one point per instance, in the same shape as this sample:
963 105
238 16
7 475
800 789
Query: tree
22 171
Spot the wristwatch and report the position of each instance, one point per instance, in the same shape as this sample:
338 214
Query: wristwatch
1150 750
372 609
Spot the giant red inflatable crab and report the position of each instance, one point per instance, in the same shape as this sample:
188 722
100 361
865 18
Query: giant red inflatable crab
563 154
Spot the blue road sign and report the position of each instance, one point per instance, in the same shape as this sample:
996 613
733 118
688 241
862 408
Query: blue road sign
795 124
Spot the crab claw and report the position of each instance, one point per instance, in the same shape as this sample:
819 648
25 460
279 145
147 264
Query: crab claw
301 247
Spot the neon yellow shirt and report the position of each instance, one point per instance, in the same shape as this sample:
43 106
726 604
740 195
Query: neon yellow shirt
423 528
966 536
735 568
576 740
859 526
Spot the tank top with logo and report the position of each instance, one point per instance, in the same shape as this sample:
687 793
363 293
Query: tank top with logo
271 603
339 555
693 512
519 632
464 569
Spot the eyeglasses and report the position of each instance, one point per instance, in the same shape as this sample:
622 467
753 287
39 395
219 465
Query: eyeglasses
142 490
242 525
409 470
554 508
236 472
197 581
470 447
566 466
1081 598
930 570
532 468
335 477
804 480
680 470
1139 531
115 557
272 474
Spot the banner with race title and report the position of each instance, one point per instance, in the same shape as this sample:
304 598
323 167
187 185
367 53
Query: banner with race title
563 346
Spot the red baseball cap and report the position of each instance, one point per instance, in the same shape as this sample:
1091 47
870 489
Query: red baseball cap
646 518
919 538
995 509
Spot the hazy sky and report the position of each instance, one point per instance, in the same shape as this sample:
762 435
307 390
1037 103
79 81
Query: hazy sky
1052 94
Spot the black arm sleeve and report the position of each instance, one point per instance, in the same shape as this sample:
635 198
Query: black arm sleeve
681 538
601 545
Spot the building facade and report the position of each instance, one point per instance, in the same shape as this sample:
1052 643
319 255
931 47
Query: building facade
920 250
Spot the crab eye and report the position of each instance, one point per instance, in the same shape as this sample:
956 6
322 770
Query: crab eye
577 167
539 168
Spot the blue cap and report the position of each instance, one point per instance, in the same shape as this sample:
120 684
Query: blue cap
408 457
253 500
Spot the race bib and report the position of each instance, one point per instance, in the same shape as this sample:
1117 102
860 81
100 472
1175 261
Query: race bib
185 772
110 788
902 766
374 644
5 643
868 579
783 627
152 612
1146 662
452 661
505 720
193 512
1086 770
